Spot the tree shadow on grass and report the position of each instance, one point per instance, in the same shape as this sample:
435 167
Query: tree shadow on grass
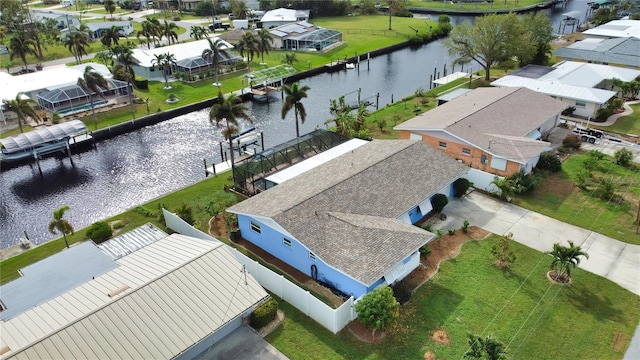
596 304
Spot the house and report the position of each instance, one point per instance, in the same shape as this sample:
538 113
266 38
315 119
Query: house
495 130
172 298
63 20
188 58
304 36
347 221
615 29
282 16
587 87
97 28
621 52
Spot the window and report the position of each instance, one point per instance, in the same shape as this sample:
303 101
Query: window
286 242
442 144
312 256
466 151
483 158
580 104
256 227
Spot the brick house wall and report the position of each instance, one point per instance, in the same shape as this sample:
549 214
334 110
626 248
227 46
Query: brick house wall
470 156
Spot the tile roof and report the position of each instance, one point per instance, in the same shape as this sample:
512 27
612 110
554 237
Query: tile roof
352 203
485 117
621 51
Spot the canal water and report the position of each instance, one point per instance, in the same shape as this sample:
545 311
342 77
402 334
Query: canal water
137 167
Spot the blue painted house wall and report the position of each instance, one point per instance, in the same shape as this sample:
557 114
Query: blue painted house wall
297 256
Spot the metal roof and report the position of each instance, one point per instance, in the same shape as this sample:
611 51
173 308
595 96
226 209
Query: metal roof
132 240
619 51
283 14
448 96
42 135
193 49
164 298
615 28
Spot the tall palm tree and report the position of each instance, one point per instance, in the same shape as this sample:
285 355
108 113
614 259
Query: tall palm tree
21 106
150 30
248 44
92 82
20 46
169 30
240 9
565 259
214 54
59 223
198 32
165 62
265 40
110 7
77 43
295 94
111 35
228 111
123 70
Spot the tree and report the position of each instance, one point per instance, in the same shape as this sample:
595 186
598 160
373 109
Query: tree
77 43
123 70
151 30
438 202
169 30
239 9
565 259
110 7
265 40
289 58
541 30
20 46
503 254
623 157
3 33
214 54
488 348
247 44
21 106
295 94
164 62
378 309
491 40
198 32
59 223
228 111
92 82
111 35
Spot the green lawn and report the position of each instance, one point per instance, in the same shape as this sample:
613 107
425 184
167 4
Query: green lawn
488 7
559 198
591 319
629 124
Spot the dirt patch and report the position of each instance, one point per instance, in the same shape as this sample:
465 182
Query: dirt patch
567 39
619 341
217 226
562 280
441 337
429 355
365 334
557 186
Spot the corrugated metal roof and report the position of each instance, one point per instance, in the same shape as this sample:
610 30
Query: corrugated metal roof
131 241
557 89
43 135
180 289
616 28
619 51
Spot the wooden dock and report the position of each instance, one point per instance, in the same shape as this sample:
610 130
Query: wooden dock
224 166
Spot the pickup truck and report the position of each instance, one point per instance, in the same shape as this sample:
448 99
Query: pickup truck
218 25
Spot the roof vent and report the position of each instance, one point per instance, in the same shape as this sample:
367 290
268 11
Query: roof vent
117 291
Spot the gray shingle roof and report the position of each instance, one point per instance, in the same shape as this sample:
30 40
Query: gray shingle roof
494 119
346 210
622 51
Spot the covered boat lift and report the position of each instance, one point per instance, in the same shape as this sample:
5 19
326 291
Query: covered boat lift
571 18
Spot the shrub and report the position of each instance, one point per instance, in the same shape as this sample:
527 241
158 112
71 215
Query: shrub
604 113
615 103
428 227
144 211
185 212
141 83
465 226
590 163
451 232
460 186
439 233
549 162
572 141
264 314
402 292
569 111
99 231
378 309
438 202
425 250
623 157
606 189
596 154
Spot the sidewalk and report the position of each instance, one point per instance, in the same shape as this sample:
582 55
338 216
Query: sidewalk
609 258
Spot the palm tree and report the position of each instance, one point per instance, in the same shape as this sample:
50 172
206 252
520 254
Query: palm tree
165 62
565 259
20 46
295 94
198 32
59 223
228 110
169 30
123 70
77 43
110 7
111 36
216 51
21 106
247 45
240 9
92 82
289 58
150 30
265 40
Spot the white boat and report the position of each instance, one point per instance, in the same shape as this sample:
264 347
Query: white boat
350 66
245 138
43 141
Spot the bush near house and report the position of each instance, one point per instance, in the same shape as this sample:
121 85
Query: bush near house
264 314
460 187
378 309
438 202
549 162
572 141
99 232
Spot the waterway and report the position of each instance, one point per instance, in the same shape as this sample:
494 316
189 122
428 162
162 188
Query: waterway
137 167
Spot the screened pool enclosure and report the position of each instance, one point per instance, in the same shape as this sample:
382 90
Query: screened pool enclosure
73 98
318 40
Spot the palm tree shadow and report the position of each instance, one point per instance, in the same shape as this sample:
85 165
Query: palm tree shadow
596 304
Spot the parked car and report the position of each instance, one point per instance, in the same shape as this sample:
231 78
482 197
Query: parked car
218 25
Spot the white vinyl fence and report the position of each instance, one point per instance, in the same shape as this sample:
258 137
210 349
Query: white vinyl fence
332 319
482 180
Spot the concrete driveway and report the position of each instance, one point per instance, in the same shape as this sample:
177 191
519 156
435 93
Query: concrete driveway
243 343
613 259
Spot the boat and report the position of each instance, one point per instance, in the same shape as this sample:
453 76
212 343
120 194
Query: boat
244 139
350 66
43 141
